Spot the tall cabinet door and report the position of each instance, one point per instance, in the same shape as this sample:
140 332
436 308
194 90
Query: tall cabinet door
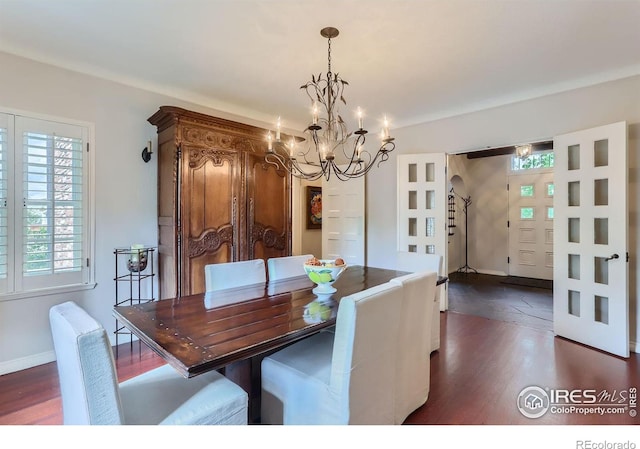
268 210
210 207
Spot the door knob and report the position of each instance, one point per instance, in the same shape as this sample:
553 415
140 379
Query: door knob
613 256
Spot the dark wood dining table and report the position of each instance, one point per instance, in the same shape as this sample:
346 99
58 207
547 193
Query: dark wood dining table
217 330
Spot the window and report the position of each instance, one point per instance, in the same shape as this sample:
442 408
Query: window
526 213
550 189
533 161
526 190
44 205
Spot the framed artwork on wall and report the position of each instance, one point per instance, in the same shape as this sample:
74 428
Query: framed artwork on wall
314 207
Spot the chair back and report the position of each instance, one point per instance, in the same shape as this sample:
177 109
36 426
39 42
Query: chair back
286 267
220 276
86 368
364 350
412 262
414 342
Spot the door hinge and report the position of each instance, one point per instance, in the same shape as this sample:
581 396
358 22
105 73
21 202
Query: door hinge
88 262
627 256
508 259
87 147
508 224
507 187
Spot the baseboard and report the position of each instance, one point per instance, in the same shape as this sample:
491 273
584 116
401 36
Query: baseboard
491 272
14 365
634 346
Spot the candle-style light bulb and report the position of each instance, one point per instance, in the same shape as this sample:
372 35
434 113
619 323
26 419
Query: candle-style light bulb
360 118
385 129
278 130
269 141
315 113
292 147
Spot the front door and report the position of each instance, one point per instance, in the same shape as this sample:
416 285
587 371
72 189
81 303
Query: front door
531 225
590 295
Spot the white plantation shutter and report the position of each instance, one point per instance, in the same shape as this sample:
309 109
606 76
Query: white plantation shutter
50 226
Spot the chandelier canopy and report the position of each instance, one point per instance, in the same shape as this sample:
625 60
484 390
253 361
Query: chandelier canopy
330 147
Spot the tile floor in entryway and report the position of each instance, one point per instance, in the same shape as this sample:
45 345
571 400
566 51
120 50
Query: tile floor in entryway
487 296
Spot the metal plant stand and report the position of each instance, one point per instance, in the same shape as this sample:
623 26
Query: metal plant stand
129 284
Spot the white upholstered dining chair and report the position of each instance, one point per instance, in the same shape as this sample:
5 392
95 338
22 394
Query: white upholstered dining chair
413 362
286 267
91 393
413 262
220 276
342 378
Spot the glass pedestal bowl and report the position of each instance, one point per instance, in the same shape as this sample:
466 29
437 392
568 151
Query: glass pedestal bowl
324 275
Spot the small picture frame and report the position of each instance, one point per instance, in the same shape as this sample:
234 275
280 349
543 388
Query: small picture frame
314 207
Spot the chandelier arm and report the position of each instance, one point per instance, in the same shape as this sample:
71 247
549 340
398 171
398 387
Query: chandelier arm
316 146
360 140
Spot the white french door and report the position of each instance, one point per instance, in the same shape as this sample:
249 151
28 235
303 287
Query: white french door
590 295
422 224
343 208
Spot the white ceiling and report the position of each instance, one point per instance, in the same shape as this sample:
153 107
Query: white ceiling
413 60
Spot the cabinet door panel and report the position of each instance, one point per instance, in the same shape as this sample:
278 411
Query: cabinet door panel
269 210
210 202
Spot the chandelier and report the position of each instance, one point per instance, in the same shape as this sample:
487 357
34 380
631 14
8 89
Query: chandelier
523 151
330 147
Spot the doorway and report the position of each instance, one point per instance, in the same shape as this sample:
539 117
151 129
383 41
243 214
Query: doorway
510 227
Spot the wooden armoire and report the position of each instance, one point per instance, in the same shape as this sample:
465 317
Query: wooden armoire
218 200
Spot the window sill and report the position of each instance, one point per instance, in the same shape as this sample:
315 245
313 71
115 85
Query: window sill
47 291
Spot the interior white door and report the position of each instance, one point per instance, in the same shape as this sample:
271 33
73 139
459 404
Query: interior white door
343 210
531 225
590 295
422 224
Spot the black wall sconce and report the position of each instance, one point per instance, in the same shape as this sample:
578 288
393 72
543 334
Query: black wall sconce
147 152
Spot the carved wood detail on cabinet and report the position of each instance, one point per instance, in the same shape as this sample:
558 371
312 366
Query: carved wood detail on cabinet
210 241
218 201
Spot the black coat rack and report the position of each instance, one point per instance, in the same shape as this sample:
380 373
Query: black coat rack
466 268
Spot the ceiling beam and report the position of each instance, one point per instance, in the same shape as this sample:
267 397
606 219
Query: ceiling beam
500 151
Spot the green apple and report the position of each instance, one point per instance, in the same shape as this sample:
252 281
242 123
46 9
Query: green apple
314 308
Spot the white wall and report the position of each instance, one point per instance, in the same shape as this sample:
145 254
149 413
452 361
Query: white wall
305 241
526 121
125 187
486 183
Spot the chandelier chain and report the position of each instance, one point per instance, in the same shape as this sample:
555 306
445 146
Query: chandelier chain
329 58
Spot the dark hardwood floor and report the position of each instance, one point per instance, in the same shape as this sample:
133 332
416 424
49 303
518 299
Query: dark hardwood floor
482 366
